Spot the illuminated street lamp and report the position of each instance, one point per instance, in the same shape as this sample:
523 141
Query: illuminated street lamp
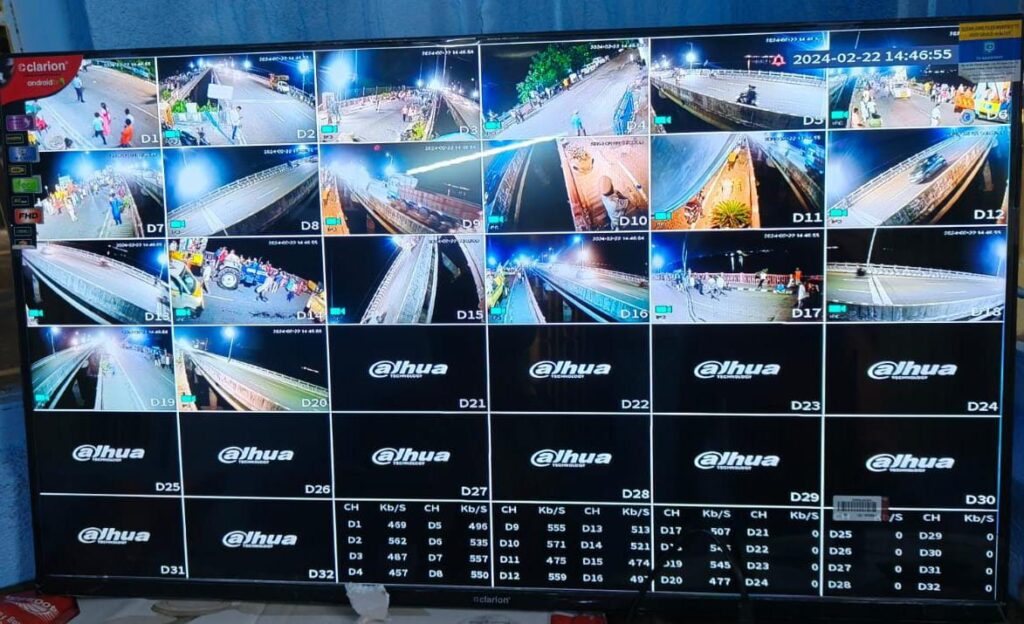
230 333
303 70
247 64
161 258
691 58
54 331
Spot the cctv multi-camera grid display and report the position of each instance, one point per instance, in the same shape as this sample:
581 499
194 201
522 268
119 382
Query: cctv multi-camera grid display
522 318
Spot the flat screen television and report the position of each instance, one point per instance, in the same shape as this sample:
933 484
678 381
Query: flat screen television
680 317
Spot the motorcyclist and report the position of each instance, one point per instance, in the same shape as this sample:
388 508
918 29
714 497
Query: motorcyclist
749 96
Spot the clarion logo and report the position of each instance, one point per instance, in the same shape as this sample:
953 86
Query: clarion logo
111 537
257 539
567 369
37 67
404 369
409 457
567 458
104 453
731 460
909 370
250 455
905 462
731 369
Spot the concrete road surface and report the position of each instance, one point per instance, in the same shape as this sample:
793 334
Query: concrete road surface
107 277
401 299
364 122
846 287
596 97
792 98
50 370
519 304
285 391
241 307
466 111
268 116
93 221
626 292
912 112
72 119
733 306
216 216
131 381
883 201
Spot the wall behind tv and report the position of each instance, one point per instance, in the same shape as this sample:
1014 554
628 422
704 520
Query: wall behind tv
63 25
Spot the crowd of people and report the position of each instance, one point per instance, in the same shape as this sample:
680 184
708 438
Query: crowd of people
103 122
864 112
268 279
67 198
715 286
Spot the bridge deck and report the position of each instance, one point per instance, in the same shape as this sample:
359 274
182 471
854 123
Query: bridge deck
282 390
218 215
798 99
908 290
886 199
146 294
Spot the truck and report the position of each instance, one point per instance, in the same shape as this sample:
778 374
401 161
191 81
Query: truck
279 83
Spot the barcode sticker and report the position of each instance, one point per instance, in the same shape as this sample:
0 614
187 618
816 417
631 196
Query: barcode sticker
860 508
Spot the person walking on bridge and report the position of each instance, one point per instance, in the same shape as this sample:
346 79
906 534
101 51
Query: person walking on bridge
577 124
235 118
79 89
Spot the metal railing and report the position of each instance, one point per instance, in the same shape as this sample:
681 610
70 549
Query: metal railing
231 187
49 387
767 76
245 393
892 172
908 271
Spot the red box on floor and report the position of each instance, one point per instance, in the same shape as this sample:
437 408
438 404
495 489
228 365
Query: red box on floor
32 608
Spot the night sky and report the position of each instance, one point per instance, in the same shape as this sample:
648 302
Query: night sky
948 74
882 39
195 171
355 267
141 254
299 354
856 157
39 338
263 64
503 66
348 72
709 251
930 248
81 165
628 254
728 52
